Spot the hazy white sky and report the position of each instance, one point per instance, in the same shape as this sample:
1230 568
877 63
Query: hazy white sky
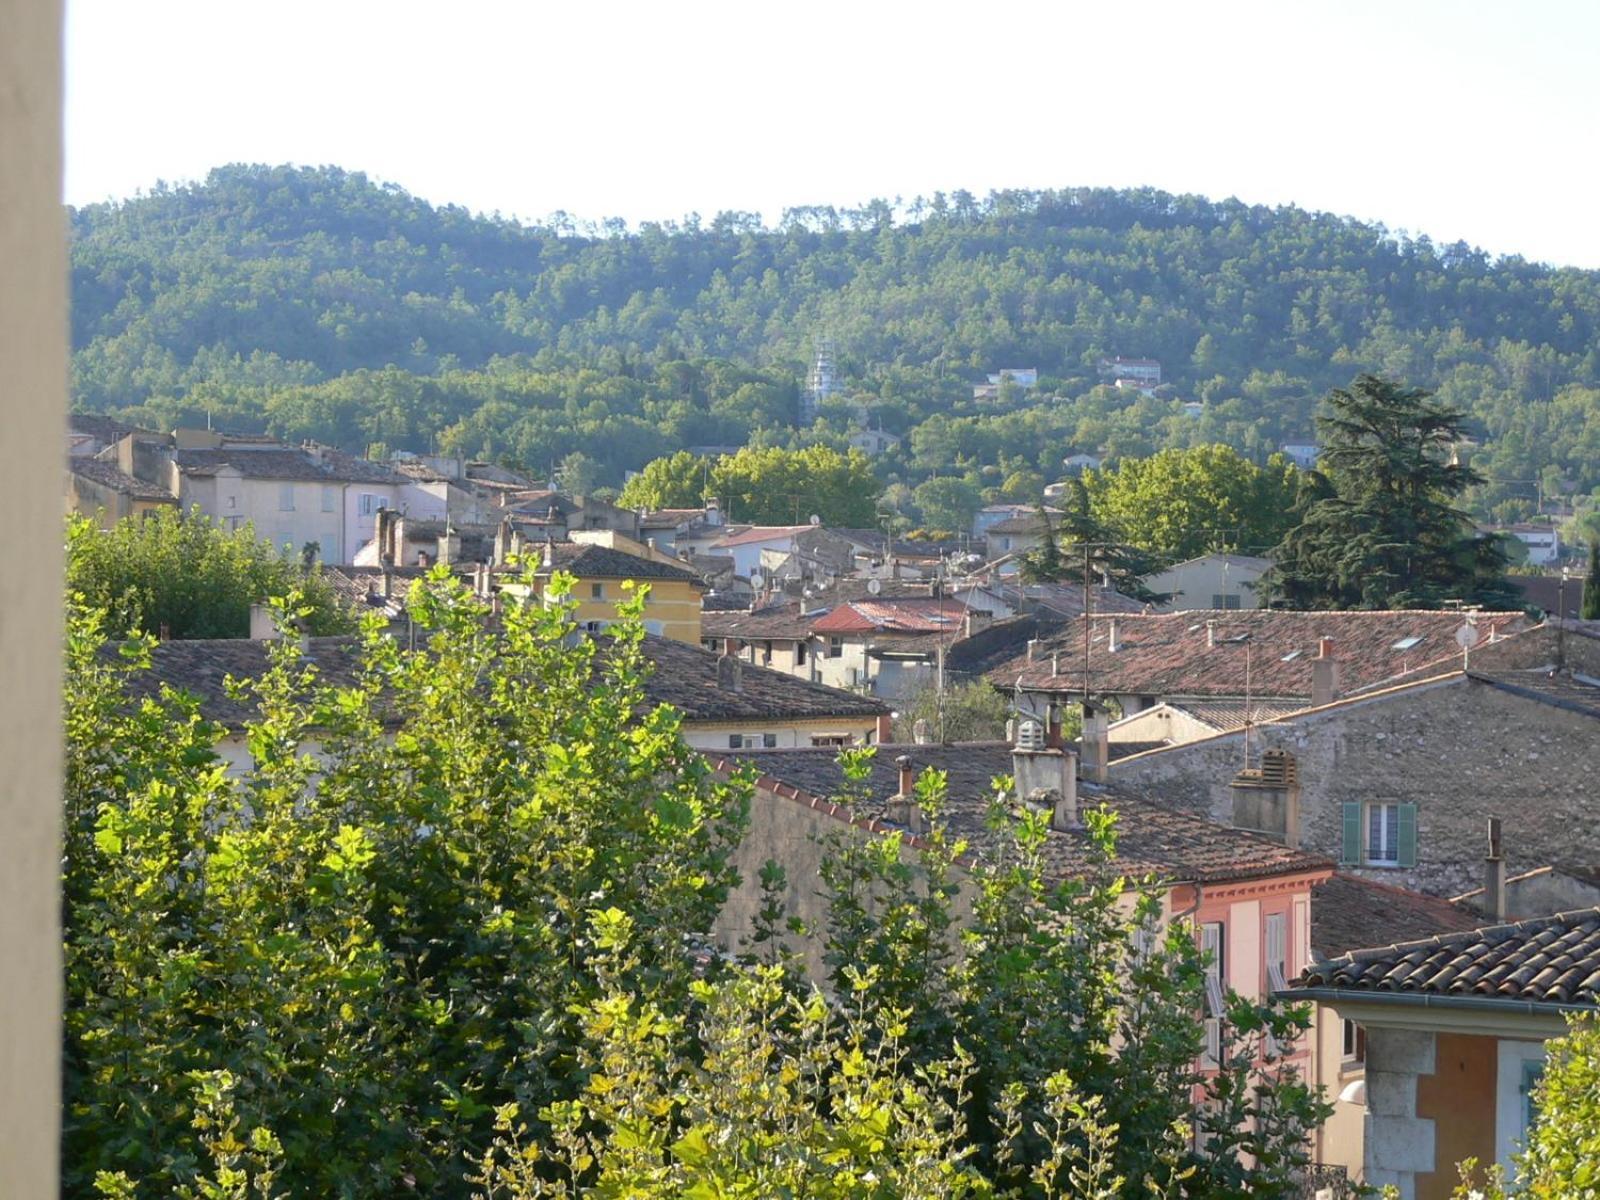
1460 119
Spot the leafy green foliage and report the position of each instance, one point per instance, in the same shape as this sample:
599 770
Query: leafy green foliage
1590 611
317 303
967 712
381 942
770 486
1179 504
189 576
1077 542
1383 532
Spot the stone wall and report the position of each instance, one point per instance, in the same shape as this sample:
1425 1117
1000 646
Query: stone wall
1461 750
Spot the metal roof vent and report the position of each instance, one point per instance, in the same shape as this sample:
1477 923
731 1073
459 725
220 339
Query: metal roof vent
1030 735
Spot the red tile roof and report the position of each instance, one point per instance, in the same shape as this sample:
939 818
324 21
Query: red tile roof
908 615
1169 654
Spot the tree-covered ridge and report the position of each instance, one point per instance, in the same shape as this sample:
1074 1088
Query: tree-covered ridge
260 293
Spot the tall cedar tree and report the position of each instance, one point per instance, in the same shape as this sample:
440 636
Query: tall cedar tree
1388 534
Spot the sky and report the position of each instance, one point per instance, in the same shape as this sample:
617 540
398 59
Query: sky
1467 120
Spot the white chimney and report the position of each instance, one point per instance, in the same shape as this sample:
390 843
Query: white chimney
919 732
262 628
1211 634
1113 642
1096 743
1045 777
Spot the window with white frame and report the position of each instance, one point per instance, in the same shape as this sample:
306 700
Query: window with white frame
1383 834
1211 943
1353 1047
835 647
1277 939
1380 834
367 504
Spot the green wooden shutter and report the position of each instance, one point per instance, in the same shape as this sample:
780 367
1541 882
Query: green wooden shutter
1352 834
1408 834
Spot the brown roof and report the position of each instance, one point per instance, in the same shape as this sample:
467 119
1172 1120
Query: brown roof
904 614
1167 654
1061 599
1548 960
100 427
590 561
1228 715
1151 839
285 463
109 475
1350 913
787 622
681 675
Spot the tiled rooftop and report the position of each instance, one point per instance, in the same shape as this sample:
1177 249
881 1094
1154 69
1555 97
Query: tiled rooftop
109 475
1549 960
903 615
1151 839
1350 913
285 463
682 675
590 561
1167 654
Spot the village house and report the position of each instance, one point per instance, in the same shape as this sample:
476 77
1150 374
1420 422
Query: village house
1136 372
1398 783
1247 657
1453 1028
1219 581
1246 896
104 492
725 704
873 442
750 544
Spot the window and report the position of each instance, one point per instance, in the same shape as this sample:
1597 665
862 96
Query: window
1353 1053
330 498
367 504
836 647
830 739
286 497
799 654
597 591
752 741
1277 936
1218 600
233 502
1211 942
1380 834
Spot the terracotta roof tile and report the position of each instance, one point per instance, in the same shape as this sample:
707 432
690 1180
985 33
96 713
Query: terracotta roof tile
1151 839
1549 960
1167 654
1350 913
109 475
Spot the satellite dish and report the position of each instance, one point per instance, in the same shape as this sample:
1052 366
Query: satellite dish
1467 637
757 580
874 586
815 520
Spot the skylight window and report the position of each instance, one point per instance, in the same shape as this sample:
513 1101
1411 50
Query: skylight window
1291 656
1408 643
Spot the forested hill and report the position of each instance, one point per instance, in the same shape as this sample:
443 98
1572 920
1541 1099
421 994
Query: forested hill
319 303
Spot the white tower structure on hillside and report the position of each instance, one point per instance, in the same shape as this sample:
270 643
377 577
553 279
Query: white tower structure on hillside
820 383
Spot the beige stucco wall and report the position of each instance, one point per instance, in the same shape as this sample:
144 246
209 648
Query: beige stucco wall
713 735
33 375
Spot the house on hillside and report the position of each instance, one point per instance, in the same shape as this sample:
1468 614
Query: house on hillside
749 543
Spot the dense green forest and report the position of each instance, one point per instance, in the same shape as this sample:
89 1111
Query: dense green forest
318 303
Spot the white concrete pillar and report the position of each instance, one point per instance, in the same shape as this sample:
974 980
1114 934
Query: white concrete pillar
33 374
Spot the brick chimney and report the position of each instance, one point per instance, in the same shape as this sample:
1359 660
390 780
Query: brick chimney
1045 777
1096 743
903 808
1494 874
1324 674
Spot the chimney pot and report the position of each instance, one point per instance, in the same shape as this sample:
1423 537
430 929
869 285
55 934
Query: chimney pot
1494 874
903 808
1096 743
1324 675
1055 662
1033 646
1211 634
919 732
1113 642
